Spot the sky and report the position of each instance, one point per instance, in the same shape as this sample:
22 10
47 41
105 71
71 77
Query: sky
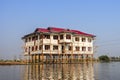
98 17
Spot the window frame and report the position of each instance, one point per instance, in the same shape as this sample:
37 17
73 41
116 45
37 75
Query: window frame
29 39
89 48
55 37
55 47
36 48
47 36
61 36
89 40
77 39
68 36
47 47
40 47
83 39
83 48
32 48
77 48
69 48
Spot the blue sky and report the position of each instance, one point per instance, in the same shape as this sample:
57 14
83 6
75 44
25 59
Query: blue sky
20 17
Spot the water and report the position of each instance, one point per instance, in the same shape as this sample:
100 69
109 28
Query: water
82 71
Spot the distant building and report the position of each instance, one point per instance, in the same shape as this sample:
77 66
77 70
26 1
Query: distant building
58 44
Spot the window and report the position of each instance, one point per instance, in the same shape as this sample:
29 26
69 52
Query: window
40 47
47 36
36 48
33 38
41 36
83 48
89 48
26 49
77 48
29 39
36 37
68 36
55 47
69 48
61 36
32 48
76 38
29 49
89 39
83 39
55 36
47 47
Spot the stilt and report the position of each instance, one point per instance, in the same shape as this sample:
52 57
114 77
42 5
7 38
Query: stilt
39 58
87 57
32 58
42 57
91 57
35 58
59 58
82 57
66 58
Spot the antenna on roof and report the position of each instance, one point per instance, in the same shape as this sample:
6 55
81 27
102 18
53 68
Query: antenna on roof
48 28
68 29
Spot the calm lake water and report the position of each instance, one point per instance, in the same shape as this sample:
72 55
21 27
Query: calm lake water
82 71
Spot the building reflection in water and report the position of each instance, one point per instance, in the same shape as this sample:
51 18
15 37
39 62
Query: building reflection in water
83 71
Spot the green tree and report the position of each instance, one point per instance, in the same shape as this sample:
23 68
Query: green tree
104 58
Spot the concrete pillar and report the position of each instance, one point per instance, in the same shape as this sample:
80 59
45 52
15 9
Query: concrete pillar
32 58
38 57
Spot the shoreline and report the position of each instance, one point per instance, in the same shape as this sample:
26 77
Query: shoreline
12 63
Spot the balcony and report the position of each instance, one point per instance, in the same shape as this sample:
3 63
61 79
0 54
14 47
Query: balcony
65 41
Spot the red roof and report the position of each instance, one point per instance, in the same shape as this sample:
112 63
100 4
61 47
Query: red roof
54 29
82 33
41 30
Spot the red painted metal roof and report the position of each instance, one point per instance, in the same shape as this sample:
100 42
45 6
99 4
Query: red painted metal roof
82 33
54 29
41 30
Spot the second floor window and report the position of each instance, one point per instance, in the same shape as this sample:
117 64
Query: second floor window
83 48
47 47
77 48
70 48
55 47
40 47
36 48
32 48
26 49
89 48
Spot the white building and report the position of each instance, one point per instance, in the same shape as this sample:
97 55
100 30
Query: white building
58 44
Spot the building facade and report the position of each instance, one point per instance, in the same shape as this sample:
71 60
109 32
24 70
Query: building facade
58 44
